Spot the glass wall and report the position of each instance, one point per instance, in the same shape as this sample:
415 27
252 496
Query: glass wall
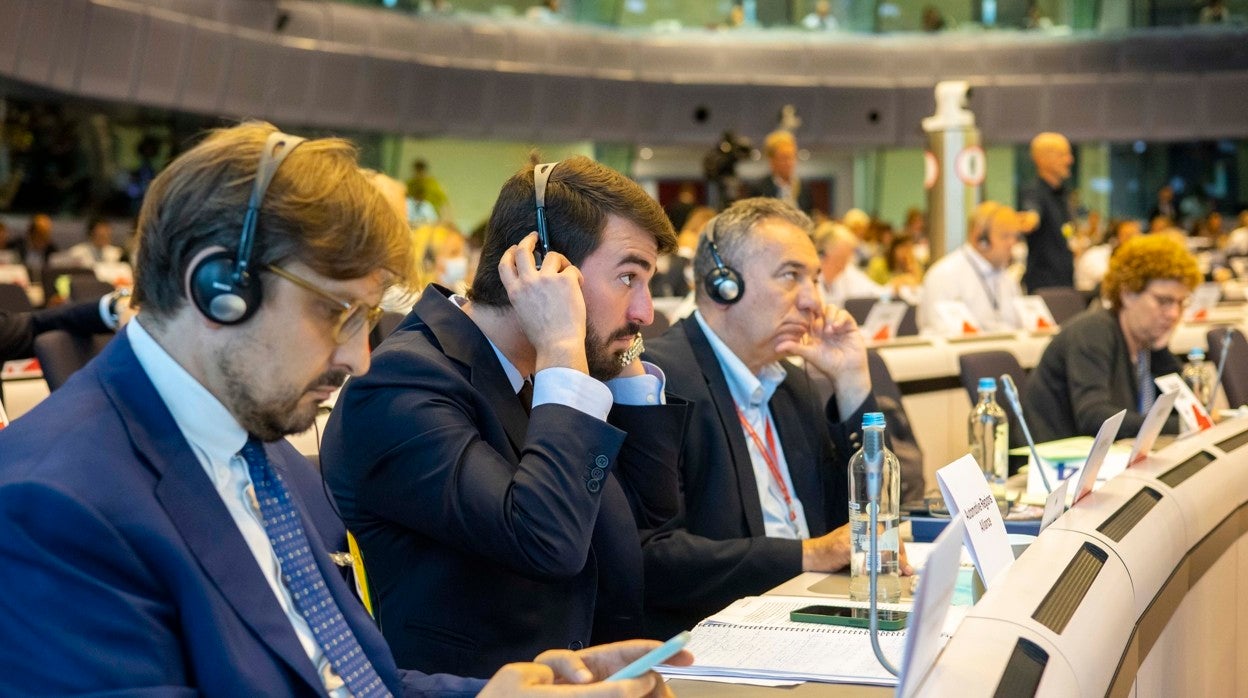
866 16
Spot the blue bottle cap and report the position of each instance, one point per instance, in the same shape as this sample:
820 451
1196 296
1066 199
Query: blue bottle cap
988 383
1196 353
873 419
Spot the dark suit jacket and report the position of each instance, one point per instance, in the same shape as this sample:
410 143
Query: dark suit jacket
123 570
491 535
767 187
18 330
1085 376
715 551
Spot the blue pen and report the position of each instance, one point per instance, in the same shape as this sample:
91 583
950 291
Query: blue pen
654 657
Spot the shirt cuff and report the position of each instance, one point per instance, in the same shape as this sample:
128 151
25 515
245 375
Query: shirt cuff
640 390
571 388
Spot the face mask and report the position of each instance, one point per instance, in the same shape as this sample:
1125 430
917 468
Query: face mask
454 269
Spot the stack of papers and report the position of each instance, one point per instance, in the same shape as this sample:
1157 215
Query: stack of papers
754 639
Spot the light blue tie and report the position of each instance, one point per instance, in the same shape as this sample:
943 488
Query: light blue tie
304 580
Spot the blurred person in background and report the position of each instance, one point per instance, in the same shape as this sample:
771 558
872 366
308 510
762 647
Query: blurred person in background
1106 359
674 276
898 269
443 254
782 181
1092 265
37 247
976 274
1049 258
98 247
839 278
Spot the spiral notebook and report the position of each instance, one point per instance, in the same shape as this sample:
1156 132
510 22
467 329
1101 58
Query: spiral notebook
754 638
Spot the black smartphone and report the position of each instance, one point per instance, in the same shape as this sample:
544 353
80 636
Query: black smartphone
845 615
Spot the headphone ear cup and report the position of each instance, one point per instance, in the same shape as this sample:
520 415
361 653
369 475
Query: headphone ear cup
724 285
217 295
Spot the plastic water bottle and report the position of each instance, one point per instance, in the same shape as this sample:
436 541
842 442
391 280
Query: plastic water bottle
888 585
1199 374
988 435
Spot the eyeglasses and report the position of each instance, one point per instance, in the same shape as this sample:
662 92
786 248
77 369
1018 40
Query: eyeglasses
1167 302
353 317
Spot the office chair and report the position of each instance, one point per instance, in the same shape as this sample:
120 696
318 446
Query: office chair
1064 302
13 299
983 364
859 308
1235 375
60 354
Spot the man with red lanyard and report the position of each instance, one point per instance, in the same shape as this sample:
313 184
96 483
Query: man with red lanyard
763 467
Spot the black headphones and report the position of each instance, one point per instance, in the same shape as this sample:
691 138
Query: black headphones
222 288
723 283
541 173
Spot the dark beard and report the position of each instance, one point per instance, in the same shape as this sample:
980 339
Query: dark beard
604 364
273 421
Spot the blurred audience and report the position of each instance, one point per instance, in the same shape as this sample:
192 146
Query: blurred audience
37 247
976 273
782 181
98 247
1091 266
839 278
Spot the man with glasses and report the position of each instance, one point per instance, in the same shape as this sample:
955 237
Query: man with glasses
1106 359
160 536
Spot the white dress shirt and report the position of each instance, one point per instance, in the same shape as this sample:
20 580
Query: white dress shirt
850 283
216 438
752 394
964 275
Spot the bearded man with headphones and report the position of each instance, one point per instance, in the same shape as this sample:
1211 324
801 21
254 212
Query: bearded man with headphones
976 273
508 451
161 537
763 468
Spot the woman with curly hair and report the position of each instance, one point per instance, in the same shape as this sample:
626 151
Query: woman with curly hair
1106 359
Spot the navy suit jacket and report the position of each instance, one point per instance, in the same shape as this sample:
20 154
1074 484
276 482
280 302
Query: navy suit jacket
716 551
491 535
123 570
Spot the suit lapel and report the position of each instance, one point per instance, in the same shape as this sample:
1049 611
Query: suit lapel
196 509
798 455
726 409
462 341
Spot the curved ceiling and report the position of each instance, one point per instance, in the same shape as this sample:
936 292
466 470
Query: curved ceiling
333 65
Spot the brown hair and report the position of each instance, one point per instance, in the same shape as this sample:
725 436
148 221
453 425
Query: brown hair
1143 259
320 210
580 194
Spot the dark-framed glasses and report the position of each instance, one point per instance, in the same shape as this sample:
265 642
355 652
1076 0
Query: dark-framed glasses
354 315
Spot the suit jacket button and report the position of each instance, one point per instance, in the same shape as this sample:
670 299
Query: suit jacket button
576 645
593 486
601 461
597 474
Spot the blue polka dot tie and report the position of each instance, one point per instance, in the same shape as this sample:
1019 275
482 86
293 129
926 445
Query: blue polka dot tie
304 580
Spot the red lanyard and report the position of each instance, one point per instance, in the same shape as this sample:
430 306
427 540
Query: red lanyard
769 455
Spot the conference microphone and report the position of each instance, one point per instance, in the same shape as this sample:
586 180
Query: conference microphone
1226 350
873 459
1011 396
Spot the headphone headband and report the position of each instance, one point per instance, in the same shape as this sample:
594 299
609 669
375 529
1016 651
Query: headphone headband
220 285
277 148
541 173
